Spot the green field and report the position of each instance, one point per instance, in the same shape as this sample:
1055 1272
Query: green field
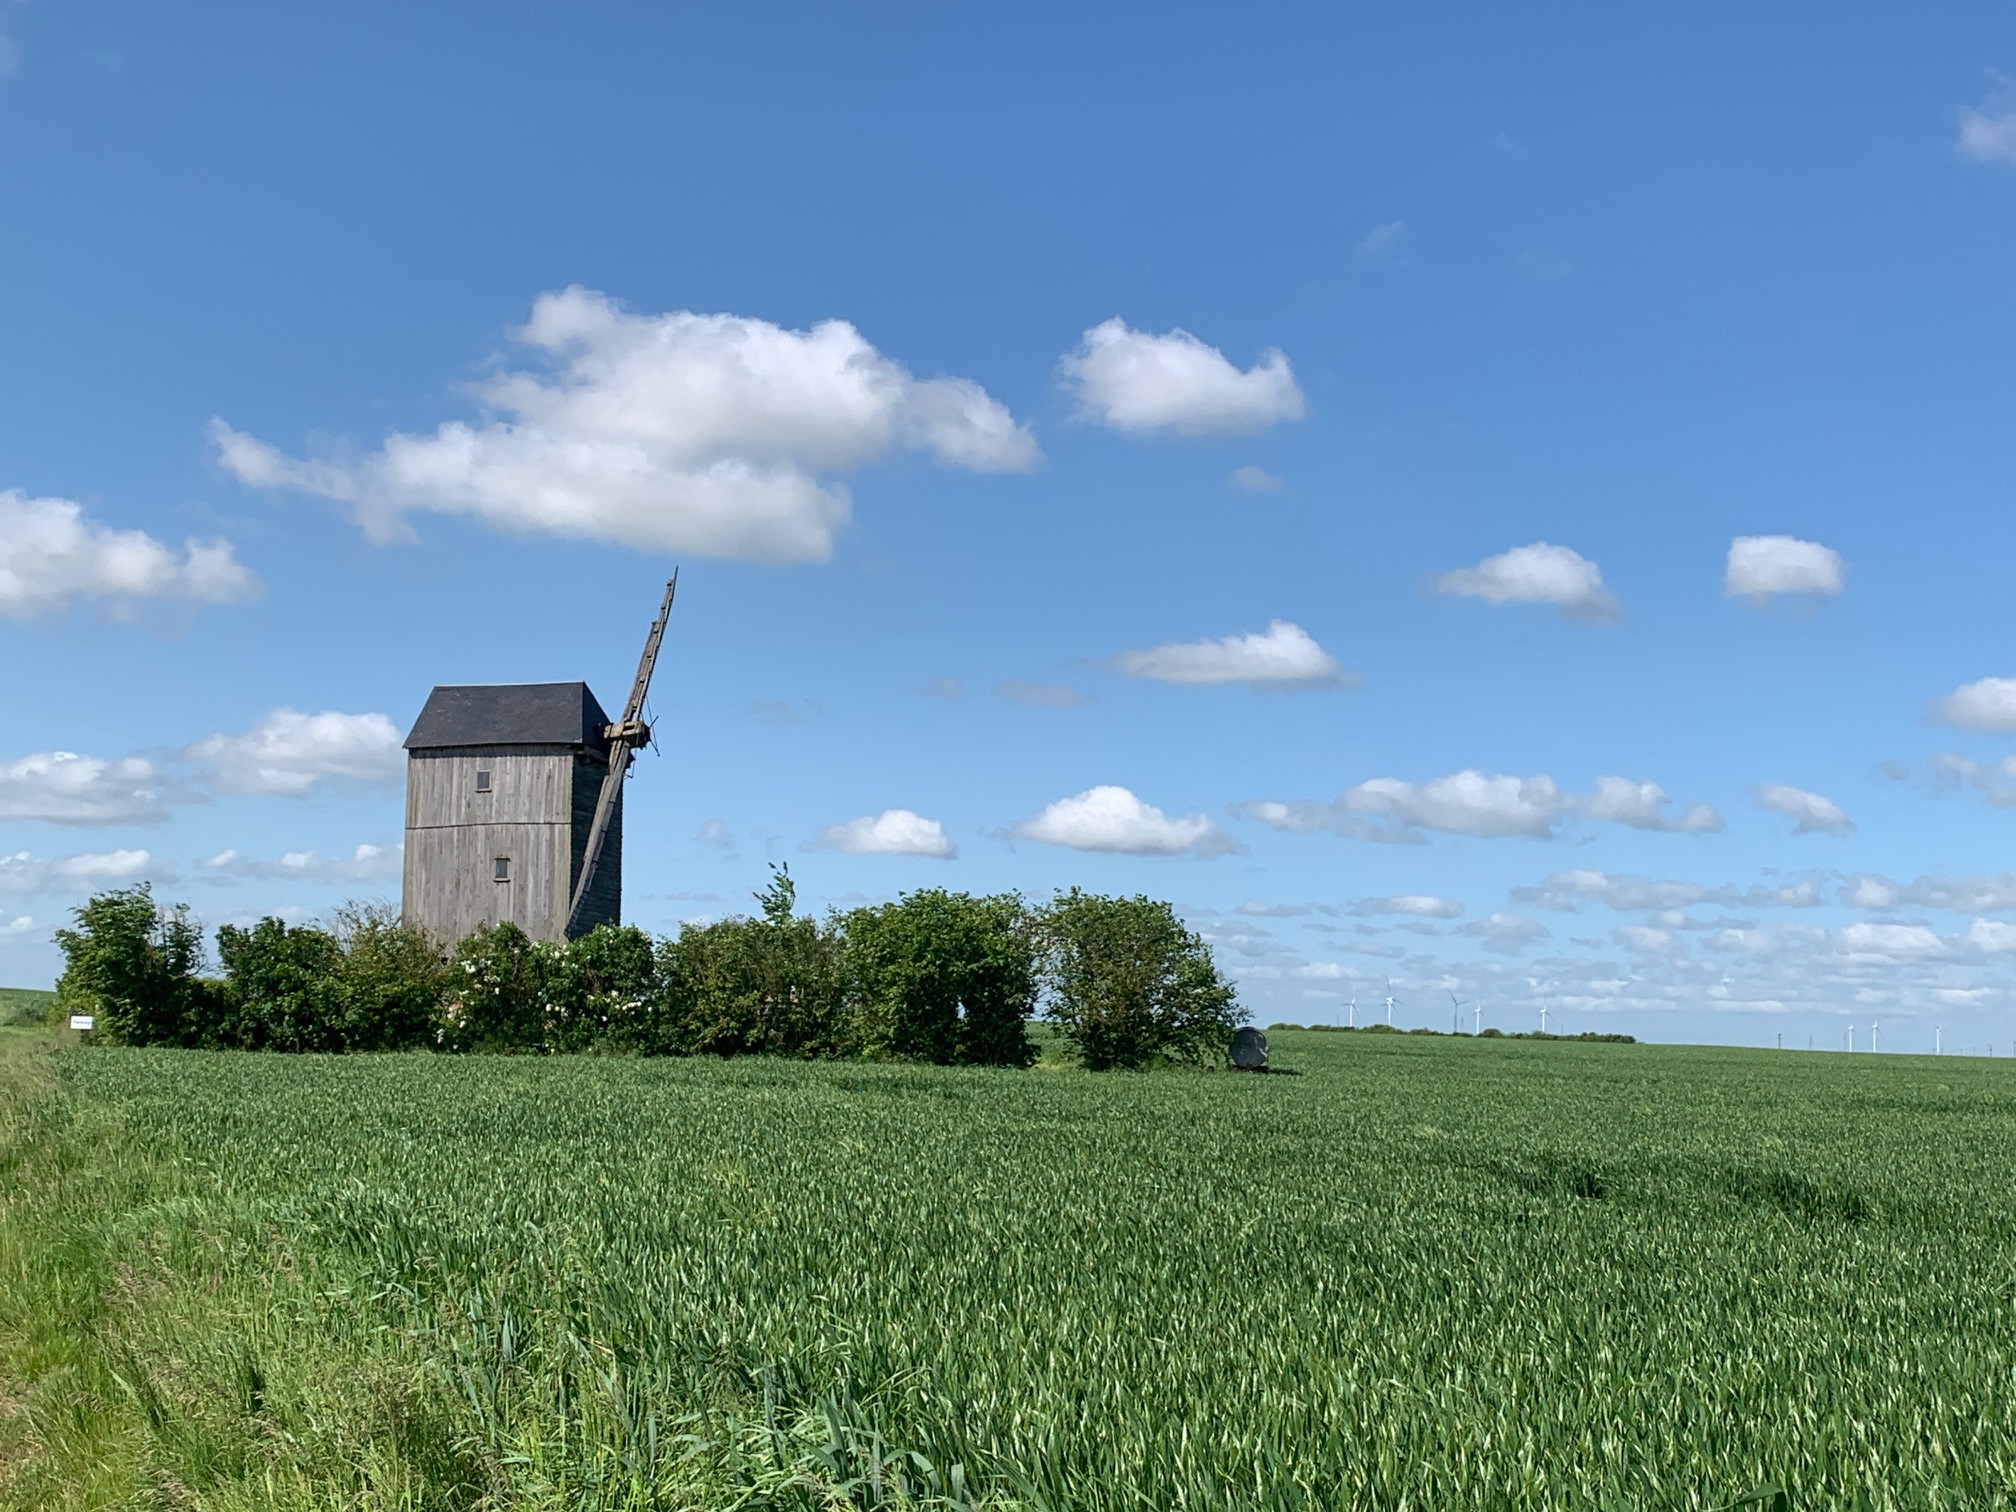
25 1005
1420 1273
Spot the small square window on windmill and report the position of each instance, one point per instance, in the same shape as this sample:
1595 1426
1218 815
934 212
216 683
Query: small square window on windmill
501 869
482 780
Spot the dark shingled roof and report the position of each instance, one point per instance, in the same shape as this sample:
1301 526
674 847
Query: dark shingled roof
510 714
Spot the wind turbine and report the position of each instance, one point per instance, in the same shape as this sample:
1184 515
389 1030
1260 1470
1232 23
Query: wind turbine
1938 1041
1872 1036
1543 1015
1851 1039
1455 1012
1389 1002
1351 1012
1477 1017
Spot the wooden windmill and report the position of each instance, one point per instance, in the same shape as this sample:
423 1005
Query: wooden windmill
514 804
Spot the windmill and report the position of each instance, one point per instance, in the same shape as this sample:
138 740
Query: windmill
514 811
625 736
1872 1036
1351 1012
1389 1002
1477 1017
1455 1012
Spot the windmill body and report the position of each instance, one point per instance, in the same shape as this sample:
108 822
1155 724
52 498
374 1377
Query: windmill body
514 805
501 791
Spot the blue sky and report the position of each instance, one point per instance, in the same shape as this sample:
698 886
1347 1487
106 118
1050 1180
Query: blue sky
1289 464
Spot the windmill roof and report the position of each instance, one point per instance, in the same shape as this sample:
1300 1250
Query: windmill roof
563 713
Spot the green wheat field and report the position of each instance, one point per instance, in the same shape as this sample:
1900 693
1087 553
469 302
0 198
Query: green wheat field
1414 1273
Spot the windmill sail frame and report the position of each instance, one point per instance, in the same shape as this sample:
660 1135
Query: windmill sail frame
624 737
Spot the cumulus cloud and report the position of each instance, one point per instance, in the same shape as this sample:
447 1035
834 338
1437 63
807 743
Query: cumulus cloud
717 434
1256 480
1988 705
1565 891
1141 384
1112 819
1760 568
1810 813
893 832
62 787
367 863
1537 574
1282 656
26 873
290 753
1988 134
1418 905
52 556
1963 894
1888 941
1508 933
1483 805
716 834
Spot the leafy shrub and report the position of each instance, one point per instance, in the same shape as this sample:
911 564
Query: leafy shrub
1129 985
393 977
603 992
283 988
768 986
943 977
137 968
495 993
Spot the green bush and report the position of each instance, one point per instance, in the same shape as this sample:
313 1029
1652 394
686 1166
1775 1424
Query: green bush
136 967
768 986
393 977
1129 985
496 992
283 988
942 977
603 992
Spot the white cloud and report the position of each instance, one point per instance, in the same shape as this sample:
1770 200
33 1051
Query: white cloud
62 787
52 555
893 832
1811 814
1537 574
1642 806
24 873
1284 656
716 834
1988 705
1891 940
1382 240
717 434
1251 479
1508 933
368 863
1565 891
1140 384
289 753
1992 936
1646 941
1761 567
1483 805
1965 894
1113 819
1418 905
1986 136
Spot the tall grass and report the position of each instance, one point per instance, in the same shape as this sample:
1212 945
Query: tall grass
1422 1274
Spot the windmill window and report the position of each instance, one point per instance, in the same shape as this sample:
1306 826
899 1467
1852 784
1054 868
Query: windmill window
501 868
482 780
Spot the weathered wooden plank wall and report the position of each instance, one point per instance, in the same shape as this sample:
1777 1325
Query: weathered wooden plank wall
537 812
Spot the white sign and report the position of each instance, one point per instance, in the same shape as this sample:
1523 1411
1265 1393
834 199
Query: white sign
83 1021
